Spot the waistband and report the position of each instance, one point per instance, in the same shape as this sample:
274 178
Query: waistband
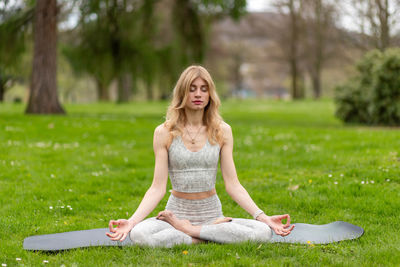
194 196
197 211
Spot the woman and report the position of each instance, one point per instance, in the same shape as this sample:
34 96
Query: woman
188 145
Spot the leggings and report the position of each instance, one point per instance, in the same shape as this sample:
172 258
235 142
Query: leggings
157 233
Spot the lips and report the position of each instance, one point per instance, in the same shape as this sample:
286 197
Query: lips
198 102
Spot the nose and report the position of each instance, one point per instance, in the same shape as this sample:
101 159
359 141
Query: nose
198 92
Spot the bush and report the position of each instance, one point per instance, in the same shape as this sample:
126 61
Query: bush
373 96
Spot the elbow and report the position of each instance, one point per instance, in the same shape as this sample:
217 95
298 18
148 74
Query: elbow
157 191
232 189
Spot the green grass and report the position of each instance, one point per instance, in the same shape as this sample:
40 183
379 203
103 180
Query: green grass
99 160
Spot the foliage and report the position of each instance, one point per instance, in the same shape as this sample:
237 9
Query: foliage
150 40
373 96
14 26
96 164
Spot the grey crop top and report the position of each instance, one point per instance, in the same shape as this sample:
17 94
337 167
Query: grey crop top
192 172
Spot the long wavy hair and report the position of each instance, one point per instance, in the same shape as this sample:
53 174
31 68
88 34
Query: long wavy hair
176 117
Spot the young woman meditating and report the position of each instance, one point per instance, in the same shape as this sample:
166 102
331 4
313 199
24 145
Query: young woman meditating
188 146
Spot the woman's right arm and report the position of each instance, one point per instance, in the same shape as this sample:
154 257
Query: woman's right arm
154 194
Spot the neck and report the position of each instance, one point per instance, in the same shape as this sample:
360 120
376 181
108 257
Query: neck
194 117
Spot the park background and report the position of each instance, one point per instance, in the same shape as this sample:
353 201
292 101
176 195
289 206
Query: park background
283 70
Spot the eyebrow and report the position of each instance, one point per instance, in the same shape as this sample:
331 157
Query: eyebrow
192 85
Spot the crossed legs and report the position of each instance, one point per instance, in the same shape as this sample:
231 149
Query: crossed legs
167 230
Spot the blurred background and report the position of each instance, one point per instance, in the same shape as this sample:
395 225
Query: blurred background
124 50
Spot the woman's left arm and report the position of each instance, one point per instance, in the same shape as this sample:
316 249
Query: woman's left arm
239 193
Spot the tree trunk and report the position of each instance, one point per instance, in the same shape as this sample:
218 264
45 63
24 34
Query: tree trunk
102 91
2 88
124 88
318 50
383 15
316 82
149 90
293 51
43 96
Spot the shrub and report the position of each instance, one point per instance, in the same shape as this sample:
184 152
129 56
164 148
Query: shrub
373 95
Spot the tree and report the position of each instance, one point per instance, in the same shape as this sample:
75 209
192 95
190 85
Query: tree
320 38
113 43
377 20
43 96
146 41
288 33
14 24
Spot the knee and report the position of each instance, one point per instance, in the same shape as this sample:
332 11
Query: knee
263 233
139 237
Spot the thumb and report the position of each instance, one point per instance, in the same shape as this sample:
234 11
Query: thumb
284 216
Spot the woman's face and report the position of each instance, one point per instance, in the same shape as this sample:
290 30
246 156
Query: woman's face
199 95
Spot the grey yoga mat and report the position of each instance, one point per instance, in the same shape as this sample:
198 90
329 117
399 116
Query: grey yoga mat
302 233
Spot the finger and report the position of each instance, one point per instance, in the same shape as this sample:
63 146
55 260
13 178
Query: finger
117 237
110 225
288 220
111 235
288 231
278 232
124 236
284 216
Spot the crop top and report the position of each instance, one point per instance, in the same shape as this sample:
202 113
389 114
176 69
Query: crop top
192 172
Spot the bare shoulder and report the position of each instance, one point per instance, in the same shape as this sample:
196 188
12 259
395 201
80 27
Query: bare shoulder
161 135
226 129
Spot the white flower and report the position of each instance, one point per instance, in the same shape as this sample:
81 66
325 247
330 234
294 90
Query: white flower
3 264
387 180
372 182
330 175
62 207
341 175
51 207
70 208
17 259
335 182
52 176
362 182
45 261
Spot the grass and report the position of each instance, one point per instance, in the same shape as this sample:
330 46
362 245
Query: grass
99 161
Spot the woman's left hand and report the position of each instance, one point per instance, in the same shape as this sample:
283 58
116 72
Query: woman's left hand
275 223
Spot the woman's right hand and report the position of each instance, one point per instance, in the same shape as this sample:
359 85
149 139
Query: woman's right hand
122 230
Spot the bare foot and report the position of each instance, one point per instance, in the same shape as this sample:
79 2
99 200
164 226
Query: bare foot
181 225
222 220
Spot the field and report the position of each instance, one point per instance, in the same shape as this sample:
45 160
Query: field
76 172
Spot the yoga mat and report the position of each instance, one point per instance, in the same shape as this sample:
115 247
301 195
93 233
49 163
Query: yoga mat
75 239
320 234
302 233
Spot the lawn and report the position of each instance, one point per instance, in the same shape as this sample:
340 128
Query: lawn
76 172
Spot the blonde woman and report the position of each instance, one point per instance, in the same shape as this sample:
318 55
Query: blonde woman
188 146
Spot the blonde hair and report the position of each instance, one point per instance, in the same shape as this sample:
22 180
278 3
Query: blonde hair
176 118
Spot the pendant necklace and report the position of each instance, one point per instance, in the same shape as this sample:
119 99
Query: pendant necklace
193 139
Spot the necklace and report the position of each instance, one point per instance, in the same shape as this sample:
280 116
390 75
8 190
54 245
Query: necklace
193 138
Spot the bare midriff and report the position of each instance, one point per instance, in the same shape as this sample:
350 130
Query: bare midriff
194 196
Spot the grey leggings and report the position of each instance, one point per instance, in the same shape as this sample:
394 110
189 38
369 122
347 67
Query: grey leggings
153 232
157 233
